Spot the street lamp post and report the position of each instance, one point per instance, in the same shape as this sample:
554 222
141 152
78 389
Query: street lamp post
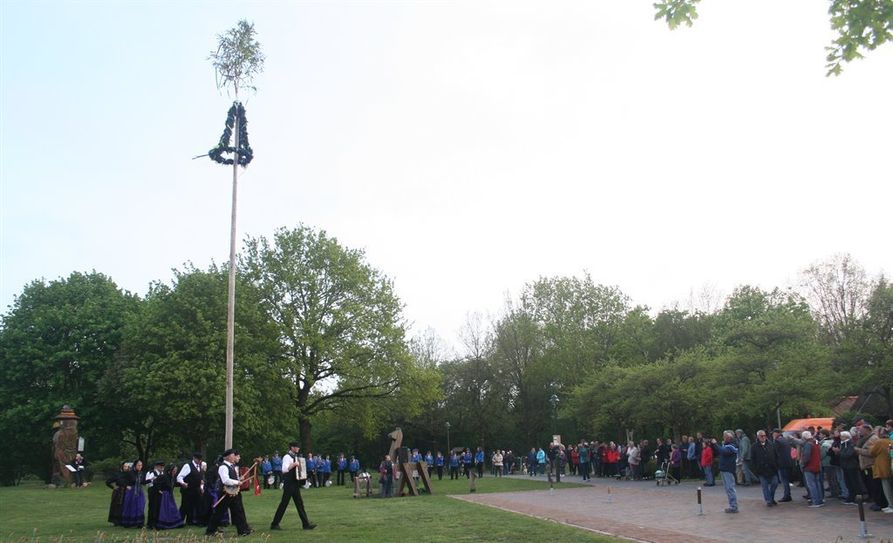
449 451
554 401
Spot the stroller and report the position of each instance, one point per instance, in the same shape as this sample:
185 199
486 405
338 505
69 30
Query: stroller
663 477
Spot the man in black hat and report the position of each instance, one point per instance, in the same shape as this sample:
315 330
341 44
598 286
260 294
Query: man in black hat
294 473
154 476
229 477
190 480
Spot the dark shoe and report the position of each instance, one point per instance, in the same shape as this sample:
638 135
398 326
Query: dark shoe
245 534
275 527
786 500
876 507
774 502
214 533
730 510
310 526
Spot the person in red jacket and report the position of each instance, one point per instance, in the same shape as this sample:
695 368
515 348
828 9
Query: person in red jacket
811 466
707 462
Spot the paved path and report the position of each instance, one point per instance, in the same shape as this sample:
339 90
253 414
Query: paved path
642 511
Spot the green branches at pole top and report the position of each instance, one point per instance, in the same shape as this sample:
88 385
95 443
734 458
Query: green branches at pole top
238 57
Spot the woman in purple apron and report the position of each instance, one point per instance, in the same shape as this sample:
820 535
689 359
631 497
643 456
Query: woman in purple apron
134 507
168 513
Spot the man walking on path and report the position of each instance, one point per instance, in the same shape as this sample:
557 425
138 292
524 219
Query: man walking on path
728 455
765 464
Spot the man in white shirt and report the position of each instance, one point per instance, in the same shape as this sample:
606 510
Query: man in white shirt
229 476
294 473
190 479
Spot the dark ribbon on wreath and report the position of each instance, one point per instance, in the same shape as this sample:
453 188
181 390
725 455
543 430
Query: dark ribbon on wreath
245 153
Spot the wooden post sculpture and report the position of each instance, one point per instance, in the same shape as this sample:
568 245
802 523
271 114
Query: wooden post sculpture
65 444
403 470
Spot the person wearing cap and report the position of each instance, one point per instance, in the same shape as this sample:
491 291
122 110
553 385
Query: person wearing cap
229 476
294 475
157 472
190 479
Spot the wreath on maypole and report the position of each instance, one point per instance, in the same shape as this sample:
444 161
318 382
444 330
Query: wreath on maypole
244 152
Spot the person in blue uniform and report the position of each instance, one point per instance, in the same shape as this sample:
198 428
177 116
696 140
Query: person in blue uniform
438 465
341 466
354 468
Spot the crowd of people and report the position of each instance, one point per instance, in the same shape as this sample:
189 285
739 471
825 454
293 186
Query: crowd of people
209 497
846 464
843 464
319 470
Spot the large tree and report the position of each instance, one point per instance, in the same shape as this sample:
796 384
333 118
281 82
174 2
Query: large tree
56 344
339 322
768 358
837 290
171 361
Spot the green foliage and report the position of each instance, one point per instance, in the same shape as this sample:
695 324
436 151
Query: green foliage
580 322
866 357
173 361
676 12
339 323
861 25
55 346
238 58
245 152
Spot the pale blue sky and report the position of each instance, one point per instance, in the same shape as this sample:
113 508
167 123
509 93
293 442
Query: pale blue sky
468 147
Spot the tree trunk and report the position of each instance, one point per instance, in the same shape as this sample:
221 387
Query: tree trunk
888 395
306 436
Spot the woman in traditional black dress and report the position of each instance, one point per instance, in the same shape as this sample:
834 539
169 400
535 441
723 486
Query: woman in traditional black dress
168 513
133 513
118 484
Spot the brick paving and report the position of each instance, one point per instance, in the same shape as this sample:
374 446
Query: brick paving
642 511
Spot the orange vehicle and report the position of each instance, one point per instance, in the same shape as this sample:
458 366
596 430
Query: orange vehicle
798 425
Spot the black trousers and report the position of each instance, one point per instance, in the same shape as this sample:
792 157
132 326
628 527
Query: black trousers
152 513
291 492
190 504
236 514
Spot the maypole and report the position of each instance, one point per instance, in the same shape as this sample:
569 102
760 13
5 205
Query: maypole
236 61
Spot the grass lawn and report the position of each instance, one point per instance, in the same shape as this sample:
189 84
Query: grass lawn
32 513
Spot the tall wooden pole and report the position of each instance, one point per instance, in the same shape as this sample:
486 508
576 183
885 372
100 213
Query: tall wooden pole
231 299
